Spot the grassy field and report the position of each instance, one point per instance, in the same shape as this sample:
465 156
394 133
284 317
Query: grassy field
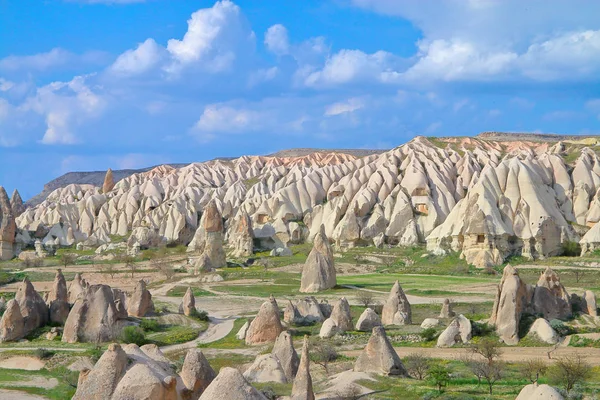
179 291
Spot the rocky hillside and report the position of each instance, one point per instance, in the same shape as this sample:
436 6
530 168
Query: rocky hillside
486 197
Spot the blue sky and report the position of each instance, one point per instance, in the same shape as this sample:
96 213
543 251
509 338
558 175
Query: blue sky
92 84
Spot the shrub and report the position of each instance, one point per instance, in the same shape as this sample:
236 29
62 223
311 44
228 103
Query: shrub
150 325
428 334
201 315
481 329
560 327
43 354
96 353
571 249
570 371
439 375
133 334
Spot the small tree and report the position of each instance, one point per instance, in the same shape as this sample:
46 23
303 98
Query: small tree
487 348
323 354
365 297
532 369
67 259
490 372
417 365
129 263
569 371
440 376
164 268
109 269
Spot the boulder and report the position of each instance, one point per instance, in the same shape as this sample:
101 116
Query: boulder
310 310
302 389
100 382
230 384
368 320
430 323
266 368
341 315
8 227
446 311
281 252
188 304
196 373
459 331
539 392
319 272
266 327
588 303
140 303
241 335
12 324
291 315
379 356
541 330
513 298
329 329
93 317
58 299
33 308
77 286
550 298
396 310
109 182
286 354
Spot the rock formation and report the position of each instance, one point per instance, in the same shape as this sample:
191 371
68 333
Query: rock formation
319 272
266 327
368 320
77 286
379 356
459 331
309 310
513 298
265 368
284 351
302 388
196 373
396 310
550 298
446 311
542 331
539 392
430 323
93 318
12 324
231 385
209 236
588 303
33 308
120 303
340 320
188 304
140 303
58 299
291 314
16 204
109 182
241 335
100 382
242 237
8 227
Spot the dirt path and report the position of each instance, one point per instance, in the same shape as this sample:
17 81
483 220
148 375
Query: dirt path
15 395
217 329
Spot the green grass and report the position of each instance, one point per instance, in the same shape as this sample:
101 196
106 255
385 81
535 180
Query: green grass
229 341
175 334
61 391
179 291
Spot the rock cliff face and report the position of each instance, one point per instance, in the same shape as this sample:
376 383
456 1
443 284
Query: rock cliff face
483 197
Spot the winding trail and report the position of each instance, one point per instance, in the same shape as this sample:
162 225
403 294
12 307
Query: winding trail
217 329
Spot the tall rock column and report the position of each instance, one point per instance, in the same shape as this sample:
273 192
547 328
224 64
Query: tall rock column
396 310
319 272
8 227
213 228
109 182
58 299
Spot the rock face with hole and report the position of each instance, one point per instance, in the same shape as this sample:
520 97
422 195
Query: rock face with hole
396 310
58 299
550 298
318 273
12 324
379 356
188 304
302 388
266 326
33 308
368 320
230 384
196 374
459 331
140 303
513 298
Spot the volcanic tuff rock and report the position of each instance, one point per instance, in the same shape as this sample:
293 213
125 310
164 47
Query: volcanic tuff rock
302 388
266 326
266 368
32 306
241 237
379 356
318 272
140 303
396 310
209 236
231 385
539 392
16 203
550 298
284 351
77 286
196 373
541 330
8 227
588 304
459 331
109 182
188 303
446 311
12 324
368 320
58 299
341 316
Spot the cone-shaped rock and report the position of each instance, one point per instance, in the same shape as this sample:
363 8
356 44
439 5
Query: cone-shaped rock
550 298
396 310
368 320
265 368
16 203
12 323
77 286
379 356
303 387
120 303
286 354
33 308
242 236
196 373
140 302
213 231
539 392
109 182
230 384
341 315
100 382
291 314
8 227
266 327
319 272
588 303
188 304
58 300
512 300
446 311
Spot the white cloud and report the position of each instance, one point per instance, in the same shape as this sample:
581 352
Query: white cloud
5 85
54 58
276 39
220 118
138 61
262 75
344 107
214 37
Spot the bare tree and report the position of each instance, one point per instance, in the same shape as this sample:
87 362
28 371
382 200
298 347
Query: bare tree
323 354
129 263
487 348
163 267
417 365
365 298
109 269
490 372
67 259
570 370
532 369
578 274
